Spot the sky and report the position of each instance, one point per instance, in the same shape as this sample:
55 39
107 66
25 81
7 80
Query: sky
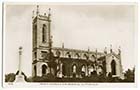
77 26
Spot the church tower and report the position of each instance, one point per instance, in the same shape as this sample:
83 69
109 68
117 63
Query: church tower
41 40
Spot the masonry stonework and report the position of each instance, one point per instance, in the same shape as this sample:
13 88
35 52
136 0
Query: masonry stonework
68 63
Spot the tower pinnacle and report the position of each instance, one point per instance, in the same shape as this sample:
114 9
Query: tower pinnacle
119 50
49 14
37 10
111 48
33 14
62 45
105 50
49 11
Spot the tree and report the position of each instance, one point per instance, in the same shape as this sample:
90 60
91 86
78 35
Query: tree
10 77
129 75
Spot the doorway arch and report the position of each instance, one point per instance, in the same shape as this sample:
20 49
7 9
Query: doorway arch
113 67
44 67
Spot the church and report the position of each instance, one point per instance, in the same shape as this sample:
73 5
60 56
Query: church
65 62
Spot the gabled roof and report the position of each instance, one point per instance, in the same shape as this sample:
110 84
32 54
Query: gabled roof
114 54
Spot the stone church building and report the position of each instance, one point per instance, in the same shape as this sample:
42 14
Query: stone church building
65 62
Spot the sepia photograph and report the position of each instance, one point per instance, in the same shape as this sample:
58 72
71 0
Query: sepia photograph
69 43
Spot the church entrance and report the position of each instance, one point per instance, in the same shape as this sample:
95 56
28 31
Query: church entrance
113 67
44 67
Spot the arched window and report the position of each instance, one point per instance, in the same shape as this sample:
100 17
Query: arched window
93 58
83 69
68 54
86 56
44 33
77 56
100 69
74 69
35 33
92 67
113 67
44 67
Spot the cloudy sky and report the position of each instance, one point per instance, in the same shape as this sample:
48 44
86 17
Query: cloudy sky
77 26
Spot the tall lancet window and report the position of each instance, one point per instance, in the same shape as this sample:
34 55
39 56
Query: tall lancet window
44 33
35 33
74 68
